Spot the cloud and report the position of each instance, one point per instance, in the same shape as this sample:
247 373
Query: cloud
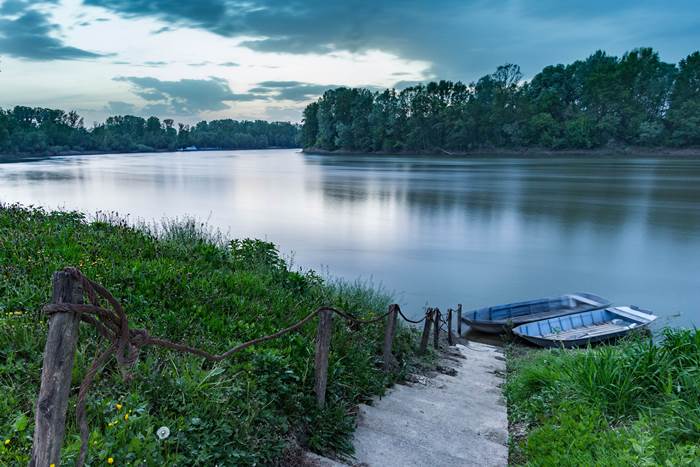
162 30
284 114
198 64
155 63
229 64
26 33
185 96
291 90
120 108
463 39
400 85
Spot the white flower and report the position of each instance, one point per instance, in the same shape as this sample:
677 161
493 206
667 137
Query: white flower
163 432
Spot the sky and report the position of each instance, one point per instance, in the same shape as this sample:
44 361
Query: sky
267 59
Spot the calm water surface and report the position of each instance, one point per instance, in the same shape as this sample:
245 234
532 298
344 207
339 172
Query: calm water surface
441 231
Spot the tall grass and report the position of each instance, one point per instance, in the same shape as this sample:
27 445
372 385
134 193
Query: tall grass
635 403
186 282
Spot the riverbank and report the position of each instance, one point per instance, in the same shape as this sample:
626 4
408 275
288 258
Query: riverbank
182 281
635 403
529 152
30 157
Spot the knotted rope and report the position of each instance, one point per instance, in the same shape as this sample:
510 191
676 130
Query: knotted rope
126 343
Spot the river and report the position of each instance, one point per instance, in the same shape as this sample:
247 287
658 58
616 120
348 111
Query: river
433 230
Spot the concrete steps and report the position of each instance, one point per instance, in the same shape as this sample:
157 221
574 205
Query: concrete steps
457 420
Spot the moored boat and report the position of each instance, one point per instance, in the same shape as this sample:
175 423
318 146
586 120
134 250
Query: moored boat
579 329
500 318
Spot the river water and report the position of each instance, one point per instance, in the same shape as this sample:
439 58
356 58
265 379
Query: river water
434 230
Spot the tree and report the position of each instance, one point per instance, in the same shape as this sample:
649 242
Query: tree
684 107
309 131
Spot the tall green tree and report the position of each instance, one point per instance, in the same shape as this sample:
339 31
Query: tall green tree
684 107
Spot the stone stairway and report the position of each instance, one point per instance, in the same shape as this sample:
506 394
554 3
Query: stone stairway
457 418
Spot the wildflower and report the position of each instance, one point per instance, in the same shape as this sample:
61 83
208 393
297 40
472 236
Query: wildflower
7 441
110 460
126 416
119 406
163 432
52 465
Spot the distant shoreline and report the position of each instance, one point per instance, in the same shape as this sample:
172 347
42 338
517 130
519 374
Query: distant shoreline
629 151
4 158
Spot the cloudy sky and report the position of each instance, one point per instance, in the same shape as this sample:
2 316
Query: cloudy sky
191 60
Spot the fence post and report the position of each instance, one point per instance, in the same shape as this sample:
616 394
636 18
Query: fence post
450 337
426 331
323 343
59 353
389 331
459 319
436 335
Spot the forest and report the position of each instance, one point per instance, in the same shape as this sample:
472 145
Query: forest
27 130
600 102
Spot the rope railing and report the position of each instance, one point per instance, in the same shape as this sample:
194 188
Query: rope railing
125 344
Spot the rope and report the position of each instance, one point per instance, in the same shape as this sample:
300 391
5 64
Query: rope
126 343
412 321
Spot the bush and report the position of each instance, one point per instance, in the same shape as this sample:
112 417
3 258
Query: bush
182 281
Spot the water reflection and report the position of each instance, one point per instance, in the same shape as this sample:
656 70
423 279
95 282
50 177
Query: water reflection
434 229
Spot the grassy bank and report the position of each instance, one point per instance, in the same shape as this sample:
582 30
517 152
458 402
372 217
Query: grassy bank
636 403
187 284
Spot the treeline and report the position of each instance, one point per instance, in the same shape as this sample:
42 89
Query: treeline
27 130
635 100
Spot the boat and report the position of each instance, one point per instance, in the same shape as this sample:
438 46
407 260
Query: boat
579 329
501 318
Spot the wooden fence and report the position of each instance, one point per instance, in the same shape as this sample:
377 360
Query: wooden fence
68 309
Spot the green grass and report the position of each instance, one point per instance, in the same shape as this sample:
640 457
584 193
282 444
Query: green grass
635 403
186 283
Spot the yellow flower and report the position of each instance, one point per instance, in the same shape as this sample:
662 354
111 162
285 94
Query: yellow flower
7 441
52 465
119 406
126 416
110 460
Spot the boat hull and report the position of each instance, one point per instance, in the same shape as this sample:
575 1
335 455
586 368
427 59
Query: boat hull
502 318
581 329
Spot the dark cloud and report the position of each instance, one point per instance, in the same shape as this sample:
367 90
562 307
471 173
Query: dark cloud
155 63
13 7
198 64
461 38
291 90
229 64
27 33
185 96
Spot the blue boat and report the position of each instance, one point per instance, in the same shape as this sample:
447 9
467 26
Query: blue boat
497 319
580 329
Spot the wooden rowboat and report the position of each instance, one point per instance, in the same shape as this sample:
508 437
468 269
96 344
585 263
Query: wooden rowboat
497 319
580 329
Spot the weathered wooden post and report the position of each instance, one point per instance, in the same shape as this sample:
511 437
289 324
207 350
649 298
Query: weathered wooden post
389 331
436 335
450 337
323 344
426 331
59 353
459 319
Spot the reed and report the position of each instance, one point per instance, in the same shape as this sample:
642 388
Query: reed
632 403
